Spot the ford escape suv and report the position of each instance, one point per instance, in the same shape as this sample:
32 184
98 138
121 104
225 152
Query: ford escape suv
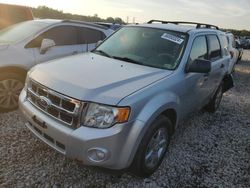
117 106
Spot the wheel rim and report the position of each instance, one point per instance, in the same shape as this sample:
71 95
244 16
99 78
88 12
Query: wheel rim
9 93
156 148
218 98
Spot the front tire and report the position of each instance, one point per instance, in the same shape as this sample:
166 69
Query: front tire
11 84
152 148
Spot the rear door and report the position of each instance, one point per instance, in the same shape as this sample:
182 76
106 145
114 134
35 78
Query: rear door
218 65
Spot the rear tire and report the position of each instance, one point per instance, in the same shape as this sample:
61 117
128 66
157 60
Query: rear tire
152 148
216 100
11 84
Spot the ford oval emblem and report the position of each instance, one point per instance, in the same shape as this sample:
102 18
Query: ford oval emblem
44 102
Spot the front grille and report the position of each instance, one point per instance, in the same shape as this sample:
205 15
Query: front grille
60 107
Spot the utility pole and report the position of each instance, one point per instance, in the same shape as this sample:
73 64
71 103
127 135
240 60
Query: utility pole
127 19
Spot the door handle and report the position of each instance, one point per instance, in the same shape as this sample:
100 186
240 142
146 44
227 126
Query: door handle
222 66
206 77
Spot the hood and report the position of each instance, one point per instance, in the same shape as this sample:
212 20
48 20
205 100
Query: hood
3 46
92 77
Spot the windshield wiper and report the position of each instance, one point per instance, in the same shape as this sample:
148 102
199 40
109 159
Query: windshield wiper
127 60
103 53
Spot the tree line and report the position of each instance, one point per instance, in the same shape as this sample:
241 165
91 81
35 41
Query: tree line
44 12
239 32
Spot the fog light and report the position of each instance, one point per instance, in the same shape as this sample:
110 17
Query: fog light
97 154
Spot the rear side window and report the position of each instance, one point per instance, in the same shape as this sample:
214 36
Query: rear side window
89 36
233 42
199 49
224 45
214 48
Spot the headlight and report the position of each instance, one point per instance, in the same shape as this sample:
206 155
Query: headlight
27 81
102 116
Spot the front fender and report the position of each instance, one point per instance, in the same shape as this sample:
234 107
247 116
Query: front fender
157 105
152 107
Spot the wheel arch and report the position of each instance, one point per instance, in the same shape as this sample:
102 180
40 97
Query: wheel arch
228 82
14 69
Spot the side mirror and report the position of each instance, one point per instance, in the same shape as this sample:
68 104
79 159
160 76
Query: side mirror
199 66
98 43
46 44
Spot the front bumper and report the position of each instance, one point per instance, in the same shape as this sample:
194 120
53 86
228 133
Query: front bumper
119 142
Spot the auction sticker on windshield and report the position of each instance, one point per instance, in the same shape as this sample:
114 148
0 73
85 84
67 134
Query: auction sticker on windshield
172 38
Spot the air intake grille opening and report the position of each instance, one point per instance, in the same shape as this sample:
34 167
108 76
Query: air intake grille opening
58 106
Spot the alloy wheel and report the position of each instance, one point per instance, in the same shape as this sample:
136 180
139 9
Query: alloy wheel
9 93
156 148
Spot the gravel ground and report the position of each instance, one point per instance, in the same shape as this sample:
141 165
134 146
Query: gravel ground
206 151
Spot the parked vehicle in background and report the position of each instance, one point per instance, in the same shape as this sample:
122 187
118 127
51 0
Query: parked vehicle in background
12 14
233 51
32 42
247 38
118 106
113 26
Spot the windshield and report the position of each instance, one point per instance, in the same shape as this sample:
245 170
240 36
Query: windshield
146 46
21 31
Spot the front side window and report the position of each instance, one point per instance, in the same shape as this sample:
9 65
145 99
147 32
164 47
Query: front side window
146 46
214 48
199 49
62 35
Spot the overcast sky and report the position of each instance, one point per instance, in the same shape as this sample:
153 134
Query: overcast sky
224 13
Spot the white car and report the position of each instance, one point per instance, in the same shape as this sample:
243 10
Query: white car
32 42
234 52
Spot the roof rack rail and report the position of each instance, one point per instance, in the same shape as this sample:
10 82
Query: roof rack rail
86 23
198 25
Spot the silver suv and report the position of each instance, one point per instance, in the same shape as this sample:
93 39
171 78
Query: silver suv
118 106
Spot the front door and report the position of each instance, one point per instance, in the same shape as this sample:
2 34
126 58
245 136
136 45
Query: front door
196 84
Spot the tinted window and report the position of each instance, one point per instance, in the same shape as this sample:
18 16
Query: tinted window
214 48
224 44
199 49
62 35
89 36
233 42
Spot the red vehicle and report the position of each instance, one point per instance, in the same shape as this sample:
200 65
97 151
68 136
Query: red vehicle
11 14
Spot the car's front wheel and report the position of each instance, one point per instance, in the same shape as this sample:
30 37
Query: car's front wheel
11 85
152 148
